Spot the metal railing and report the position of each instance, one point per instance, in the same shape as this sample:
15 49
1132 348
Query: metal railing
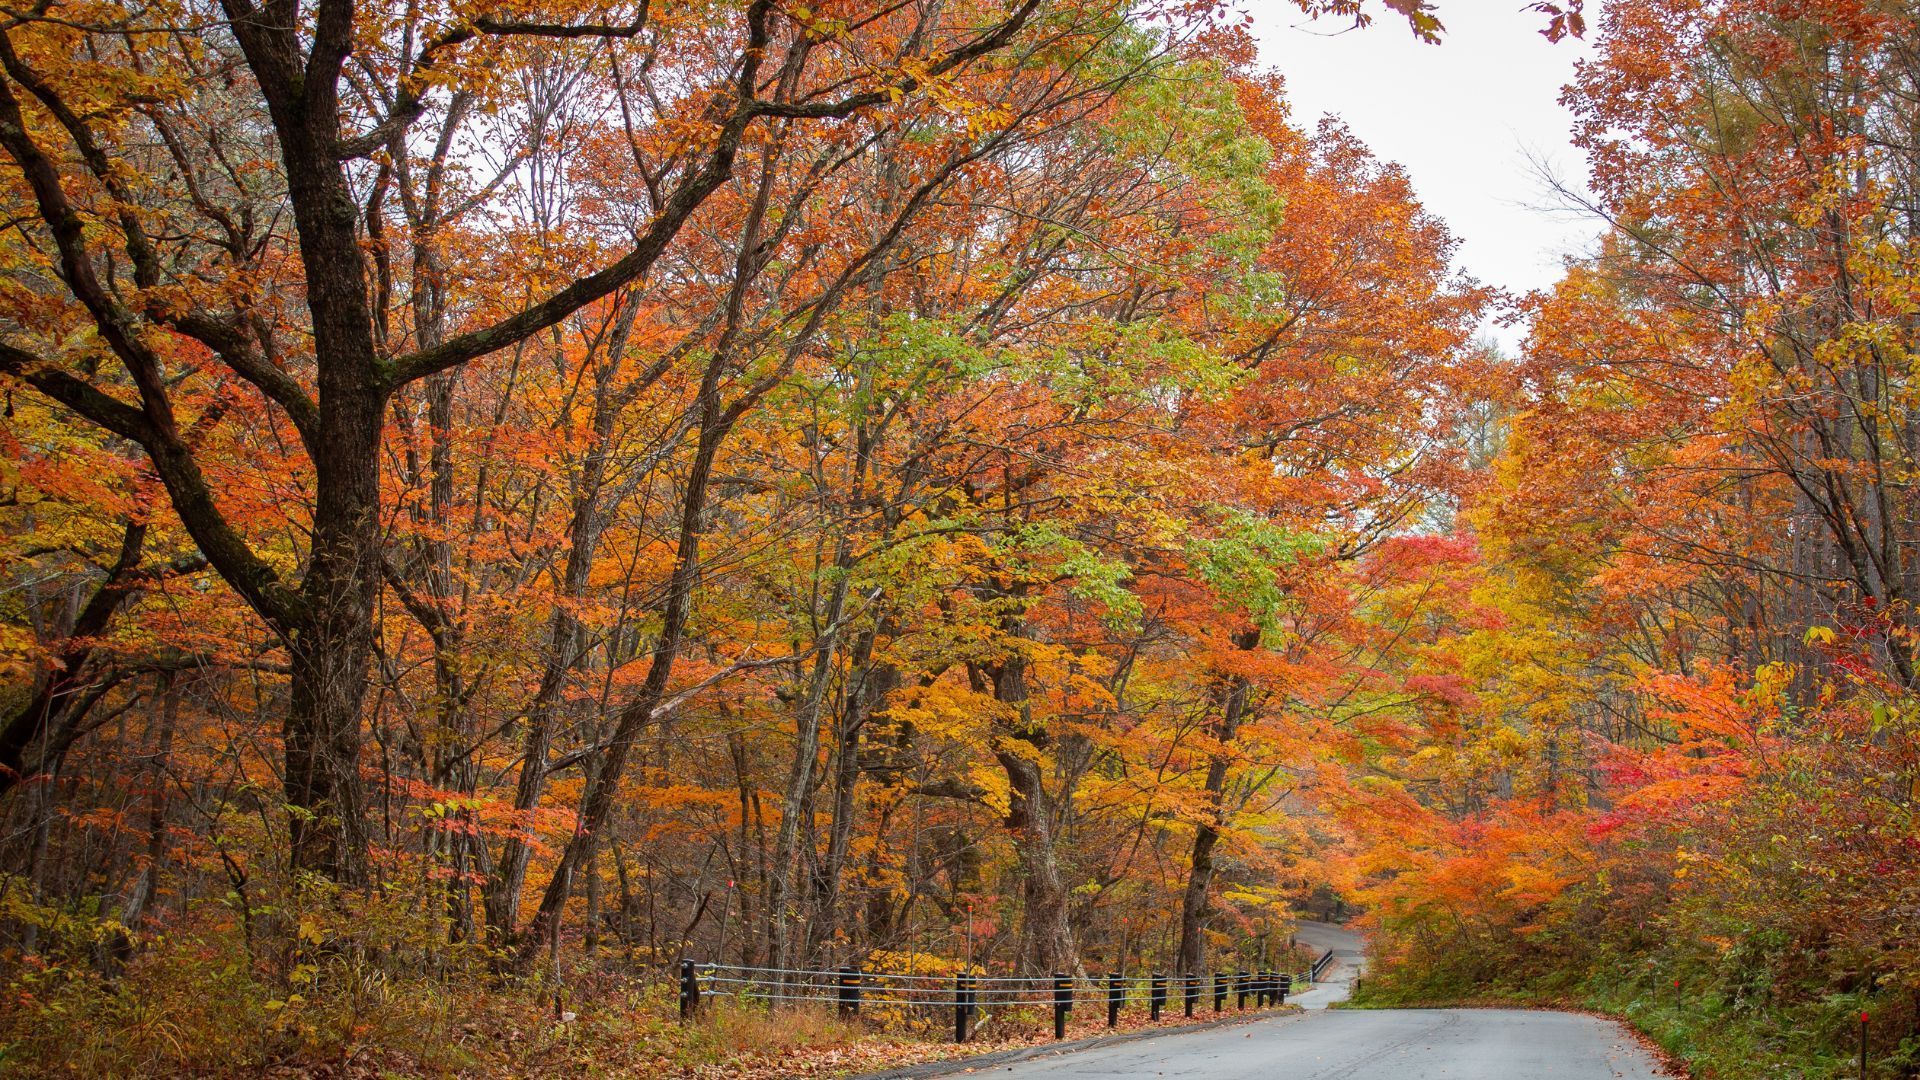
1321 965
968 994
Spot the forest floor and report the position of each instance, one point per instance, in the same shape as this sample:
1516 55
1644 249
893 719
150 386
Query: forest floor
637 1035
910 1060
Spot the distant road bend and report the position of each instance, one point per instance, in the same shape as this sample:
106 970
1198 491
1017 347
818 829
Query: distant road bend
1369 1044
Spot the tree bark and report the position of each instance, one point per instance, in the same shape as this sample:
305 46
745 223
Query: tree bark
875 683
1195 902
806 751
1046 939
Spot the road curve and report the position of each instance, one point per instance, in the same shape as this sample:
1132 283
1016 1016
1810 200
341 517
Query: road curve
1368 1044
1372 1044
1349 960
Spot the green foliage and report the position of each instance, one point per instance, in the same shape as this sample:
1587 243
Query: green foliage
1245 559
1188 117
1044 548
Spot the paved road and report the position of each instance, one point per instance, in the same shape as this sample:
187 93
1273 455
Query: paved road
1368 1044
1349 960
1372 1044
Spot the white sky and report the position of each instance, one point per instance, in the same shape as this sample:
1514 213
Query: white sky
1463 117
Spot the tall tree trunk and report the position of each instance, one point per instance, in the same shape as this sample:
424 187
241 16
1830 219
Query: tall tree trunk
1194 903
875 683
565 639
606 770
1046 939
167 711
331 651
806 751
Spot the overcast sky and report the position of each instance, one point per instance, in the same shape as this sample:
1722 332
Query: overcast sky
1463 117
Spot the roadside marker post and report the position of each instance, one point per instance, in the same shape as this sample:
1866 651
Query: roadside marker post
962 1005
849 991
1062 1001
689 990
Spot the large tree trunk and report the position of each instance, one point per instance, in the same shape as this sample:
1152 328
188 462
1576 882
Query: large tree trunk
1046 939
1234 693
330 644
330 655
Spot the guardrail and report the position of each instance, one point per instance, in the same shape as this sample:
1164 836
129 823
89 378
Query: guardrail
967 994
1321 965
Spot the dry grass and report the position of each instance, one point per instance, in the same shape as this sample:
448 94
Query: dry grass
196 1007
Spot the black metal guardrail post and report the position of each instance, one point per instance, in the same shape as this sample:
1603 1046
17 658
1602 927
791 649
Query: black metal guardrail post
1062 1001
1326 961
1156 995
1116 993
1240 989
962 1005
849 991
689 990
1190 992
1267 985
1283 985
1219 991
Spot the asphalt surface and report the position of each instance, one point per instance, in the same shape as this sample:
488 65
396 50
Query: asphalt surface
1349 961
1372 1044
1368 1044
